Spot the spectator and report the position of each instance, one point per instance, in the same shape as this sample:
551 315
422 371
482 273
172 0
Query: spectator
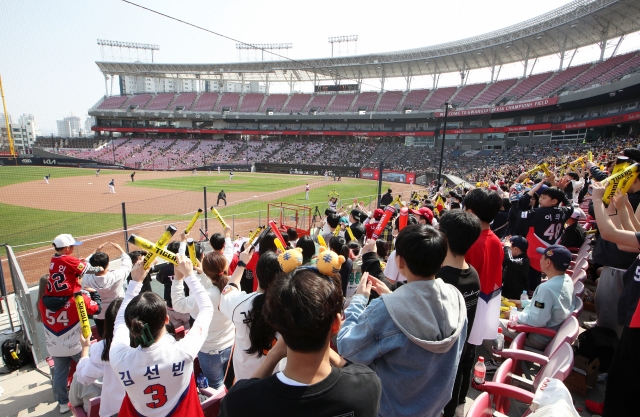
462 230
308 250
386 198
574 235
414 336
293 236
515 267
166 276
304 307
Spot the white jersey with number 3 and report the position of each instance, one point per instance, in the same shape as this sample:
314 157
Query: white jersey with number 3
156 378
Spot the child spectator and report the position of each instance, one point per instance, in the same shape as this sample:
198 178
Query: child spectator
515 267
308 250
166 276
485 255
62 333
414 336
108 283
293 236
545 224
305 308
574 235
135 256
462 230
64 269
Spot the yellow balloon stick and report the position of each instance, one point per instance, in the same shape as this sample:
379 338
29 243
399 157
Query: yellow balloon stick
219 217
321 241
161 243
279 244
151 247
191 248
621 181
350 233
193 221
82 314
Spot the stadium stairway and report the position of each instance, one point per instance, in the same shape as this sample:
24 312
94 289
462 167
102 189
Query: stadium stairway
400 105
375 106
195 102
286 102
328 106
240 100
263 102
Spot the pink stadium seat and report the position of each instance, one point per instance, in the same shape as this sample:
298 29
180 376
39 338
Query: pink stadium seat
438 98
467 93
494 91
211 406
527 84
251 103
578 308
481 406
367 100
275 101
588 77
113 103
341 103
414 99
556 82
184 100
228 100
578 289
160 101
389 101
205 102
319 101
94 410
297 103
138 100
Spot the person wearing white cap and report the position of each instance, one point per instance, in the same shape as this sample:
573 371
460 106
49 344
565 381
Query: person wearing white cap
574 235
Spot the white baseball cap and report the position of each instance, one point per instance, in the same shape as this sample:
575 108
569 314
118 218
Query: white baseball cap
578 214
62 241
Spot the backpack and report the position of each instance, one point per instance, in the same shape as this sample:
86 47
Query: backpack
598 342
16 353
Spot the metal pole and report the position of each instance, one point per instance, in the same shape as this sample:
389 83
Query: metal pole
380 180
124 224
258 218
3 292
206 221
444 134
113 149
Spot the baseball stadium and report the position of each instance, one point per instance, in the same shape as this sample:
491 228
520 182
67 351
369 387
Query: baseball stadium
235 147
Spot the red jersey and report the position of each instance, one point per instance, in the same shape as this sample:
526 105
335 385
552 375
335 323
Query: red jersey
62 327
64 271
189 404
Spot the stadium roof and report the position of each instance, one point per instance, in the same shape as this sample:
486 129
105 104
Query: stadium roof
577 24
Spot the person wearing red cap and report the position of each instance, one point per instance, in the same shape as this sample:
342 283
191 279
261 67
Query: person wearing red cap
424 215
373 222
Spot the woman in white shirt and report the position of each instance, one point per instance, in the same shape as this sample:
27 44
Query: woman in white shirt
216 350
96 365
254 337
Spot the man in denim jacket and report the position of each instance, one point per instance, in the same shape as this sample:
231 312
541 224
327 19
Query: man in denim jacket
412 337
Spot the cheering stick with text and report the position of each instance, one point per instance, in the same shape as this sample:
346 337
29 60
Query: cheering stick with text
219 217
161 243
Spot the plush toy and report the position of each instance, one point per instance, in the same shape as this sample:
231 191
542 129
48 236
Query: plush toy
290 259
329 262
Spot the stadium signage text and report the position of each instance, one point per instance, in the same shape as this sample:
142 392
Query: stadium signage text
49 161
394 176
501 109
27 161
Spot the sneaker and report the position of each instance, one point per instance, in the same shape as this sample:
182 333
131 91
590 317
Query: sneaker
459 411
491 365
590 324
64 408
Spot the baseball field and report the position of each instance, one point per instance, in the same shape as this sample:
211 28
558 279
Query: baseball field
79 202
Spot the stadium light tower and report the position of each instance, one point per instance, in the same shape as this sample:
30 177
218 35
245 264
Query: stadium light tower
262 47
127 45
344 39
447 106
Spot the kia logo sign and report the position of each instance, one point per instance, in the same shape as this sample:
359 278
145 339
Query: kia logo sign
27 161
49 161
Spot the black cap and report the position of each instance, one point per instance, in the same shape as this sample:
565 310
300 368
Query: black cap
519 242
558 255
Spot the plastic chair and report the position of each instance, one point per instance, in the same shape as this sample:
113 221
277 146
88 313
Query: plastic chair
580 276
558 366
211 406
578 289
481 406
577 310
94 409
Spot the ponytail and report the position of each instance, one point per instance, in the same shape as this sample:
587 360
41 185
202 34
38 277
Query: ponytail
261 334
145 317
214 266
338 245
109 323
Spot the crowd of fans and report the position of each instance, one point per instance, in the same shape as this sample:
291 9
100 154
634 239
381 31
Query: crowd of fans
368 323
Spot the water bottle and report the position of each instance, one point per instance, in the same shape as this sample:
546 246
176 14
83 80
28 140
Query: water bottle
524 299
202 381
498 344
513 316
479 371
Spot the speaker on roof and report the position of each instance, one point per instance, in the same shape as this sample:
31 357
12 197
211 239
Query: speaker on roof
270 111
362 110
407 110
226 110
313 111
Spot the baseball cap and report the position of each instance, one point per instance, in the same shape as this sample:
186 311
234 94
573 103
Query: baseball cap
541 189
558 254
424 212
578 213
378 213
64 240
519 242
358 214
493 187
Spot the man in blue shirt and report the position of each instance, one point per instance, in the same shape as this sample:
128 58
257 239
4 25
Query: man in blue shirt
552 302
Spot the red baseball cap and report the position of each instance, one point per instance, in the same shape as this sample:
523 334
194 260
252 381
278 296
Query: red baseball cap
424 212
493 187
378 213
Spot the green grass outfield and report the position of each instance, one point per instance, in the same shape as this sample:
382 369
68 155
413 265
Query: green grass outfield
17 174
23 225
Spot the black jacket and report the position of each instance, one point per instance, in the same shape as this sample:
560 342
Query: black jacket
515 274
386 199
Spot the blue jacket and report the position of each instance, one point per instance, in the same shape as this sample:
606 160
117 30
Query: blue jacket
413 339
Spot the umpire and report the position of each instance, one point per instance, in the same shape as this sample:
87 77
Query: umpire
222 196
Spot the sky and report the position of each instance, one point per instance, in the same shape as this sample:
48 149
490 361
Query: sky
49 49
